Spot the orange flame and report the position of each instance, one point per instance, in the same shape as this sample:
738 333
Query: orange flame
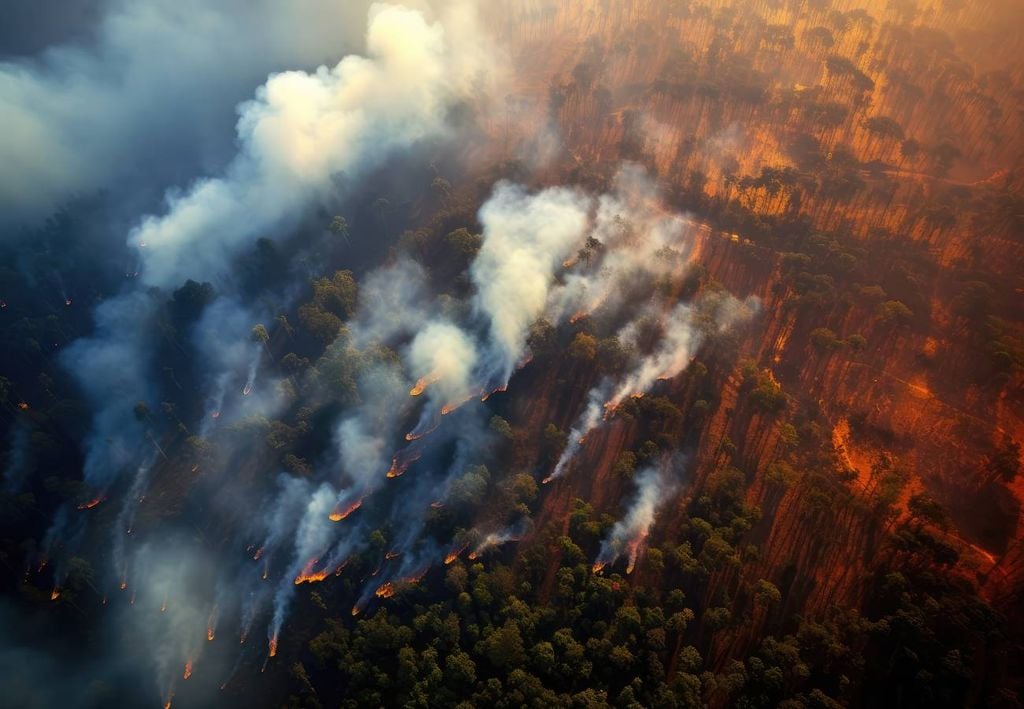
23 405
386 590
424 382
597 567
454 554
338 514
90 504
401 462
209 633
55 594
307 575
188 670
273 646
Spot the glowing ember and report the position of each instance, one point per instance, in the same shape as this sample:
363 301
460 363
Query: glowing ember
386 590
55 594
188 670
258 554
23 406
452 406
339 513
597 567
273 646
209 632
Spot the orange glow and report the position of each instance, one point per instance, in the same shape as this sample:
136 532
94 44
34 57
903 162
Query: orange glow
453 405
209 632
23 406
634 551
415 435
597 567
188 670
424 382
338 513
454 554
307 575
55 594
273 646
386 590
90 504
401 462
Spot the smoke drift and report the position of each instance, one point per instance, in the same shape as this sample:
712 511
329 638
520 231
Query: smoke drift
557 253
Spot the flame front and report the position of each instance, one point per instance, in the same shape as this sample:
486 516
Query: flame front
424 382
338 513
188 670
308 575
273 645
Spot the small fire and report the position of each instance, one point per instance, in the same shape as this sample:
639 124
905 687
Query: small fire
634 551
67 302
597 567
418 433
163 606
167 704
124 585
23 405
188 670
258 554
424 382
453 405
578 315
209 632
487 394
55 593
392 554
454 554
215 415
386 590
338 513
247 390
401 462
273 645
307 575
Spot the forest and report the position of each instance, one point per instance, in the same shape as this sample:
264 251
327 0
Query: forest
527 353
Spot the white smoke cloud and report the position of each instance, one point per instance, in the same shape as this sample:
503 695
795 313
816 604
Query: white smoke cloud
526 239
300 131
443 357
149 99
